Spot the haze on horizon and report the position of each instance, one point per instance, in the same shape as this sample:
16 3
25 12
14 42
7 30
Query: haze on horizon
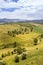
21 9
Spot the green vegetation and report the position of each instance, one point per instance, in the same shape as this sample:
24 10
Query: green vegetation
19 50
16 58
23 56
41 35
2 63
35 41
21 44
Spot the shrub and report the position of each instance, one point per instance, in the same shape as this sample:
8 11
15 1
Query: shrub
23 56
0 58
12 52
5 46
14 31
41 35
15 44
25 29
36 48
13 35
3 55
31 29
19 50
8 53
15 50
2 63
35 41
24 50
9 33
16 58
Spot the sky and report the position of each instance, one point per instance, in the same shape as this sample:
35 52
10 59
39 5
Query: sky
21 9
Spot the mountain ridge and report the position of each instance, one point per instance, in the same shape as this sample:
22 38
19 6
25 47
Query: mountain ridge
18 20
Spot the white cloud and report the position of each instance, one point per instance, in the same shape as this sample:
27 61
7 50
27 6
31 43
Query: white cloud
29 9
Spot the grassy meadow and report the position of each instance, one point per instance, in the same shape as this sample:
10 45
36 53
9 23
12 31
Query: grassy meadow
21 38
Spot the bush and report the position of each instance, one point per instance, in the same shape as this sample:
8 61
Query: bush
0 58
16 58
41 35
15 50
23 56
2 63
3 55
9 33
15 44
24 50
36 48
13 35
25 29
31 29
19 50
12 52
8 53
35 41
5 46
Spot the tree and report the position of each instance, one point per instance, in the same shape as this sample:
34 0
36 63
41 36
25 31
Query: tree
24 50
13 35
31 29
24 56
9 33
2 63
41 35
35 41
0 58
25 29
16 58
3 55
19 50
15 44
8 53
12 52
15 31
15 51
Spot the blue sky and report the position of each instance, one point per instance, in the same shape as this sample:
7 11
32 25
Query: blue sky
21 9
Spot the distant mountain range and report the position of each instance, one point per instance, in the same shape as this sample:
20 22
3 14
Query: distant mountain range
8 20
17 20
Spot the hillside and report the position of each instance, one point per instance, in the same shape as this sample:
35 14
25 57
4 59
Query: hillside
28 36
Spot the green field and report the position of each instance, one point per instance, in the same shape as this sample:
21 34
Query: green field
25 35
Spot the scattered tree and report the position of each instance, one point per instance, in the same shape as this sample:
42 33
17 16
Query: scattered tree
12 52
16 58
3 55
24 56
19 50
35 41
24 50
25 29
0 58
31 29
8 53
15 44
41 35
2 63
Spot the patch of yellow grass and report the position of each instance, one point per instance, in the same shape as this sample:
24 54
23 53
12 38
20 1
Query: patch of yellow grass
6 50
8 27
28 36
